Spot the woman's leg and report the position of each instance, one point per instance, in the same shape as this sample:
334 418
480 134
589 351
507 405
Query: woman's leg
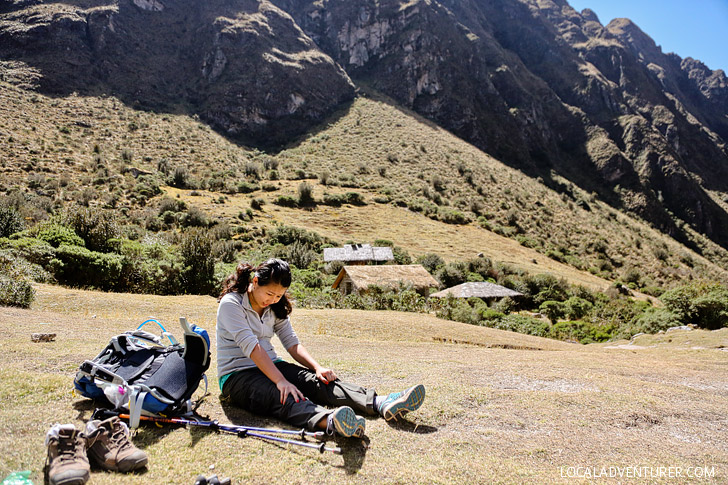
337 393
251 390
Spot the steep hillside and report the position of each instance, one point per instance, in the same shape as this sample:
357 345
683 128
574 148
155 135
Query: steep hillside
542 87
537 85
243 66
411 174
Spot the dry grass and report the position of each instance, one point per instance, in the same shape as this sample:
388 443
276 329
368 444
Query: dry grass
494 413
60 145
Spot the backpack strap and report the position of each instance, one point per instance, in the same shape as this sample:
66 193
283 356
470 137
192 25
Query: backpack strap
165 333
197 343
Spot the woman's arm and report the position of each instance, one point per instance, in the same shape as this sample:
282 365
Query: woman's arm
262 360
299 352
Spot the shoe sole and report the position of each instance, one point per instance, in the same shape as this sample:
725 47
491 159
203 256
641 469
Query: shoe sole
411 400
347 423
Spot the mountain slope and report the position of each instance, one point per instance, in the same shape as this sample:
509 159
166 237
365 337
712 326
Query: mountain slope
82 150
243 66
543 88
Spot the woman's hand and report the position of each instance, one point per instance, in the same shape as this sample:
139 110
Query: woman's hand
325 375
288 389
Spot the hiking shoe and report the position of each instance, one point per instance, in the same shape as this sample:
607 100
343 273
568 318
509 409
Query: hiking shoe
346 423
109 446
67 460
400 403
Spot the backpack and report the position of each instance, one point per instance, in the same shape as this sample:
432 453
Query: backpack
137 371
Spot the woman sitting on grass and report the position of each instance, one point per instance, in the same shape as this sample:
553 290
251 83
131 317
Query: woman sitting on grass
254 306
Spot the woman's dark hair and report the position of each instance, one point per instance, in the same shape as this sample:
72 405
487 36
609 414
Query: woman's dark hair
272 271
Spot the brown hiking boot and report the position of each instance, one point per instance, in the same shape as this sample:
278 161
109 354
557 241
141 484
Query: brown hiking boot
67 462
110 448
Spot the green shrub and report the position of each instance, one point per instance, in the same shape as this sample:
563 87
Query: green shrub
18 293
198 261
654 320
57 235
300 255
286 201
354 198
32 249
16 267
305 194
195 217
334 200
287 235
78 266
576 308
431 262
11 221
452 274
703 304
552 309
245 187
521 324
449 215
98 228
580 331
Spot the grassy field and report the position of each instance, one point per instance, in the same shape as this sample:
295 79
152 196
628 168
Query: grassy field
500 407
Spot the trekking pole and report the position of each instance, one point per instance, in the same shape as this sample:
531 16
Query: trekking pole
243 431
231 428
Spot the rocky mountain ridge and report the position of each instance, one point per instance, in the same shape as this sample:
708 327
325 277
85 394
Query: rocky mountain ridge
535 83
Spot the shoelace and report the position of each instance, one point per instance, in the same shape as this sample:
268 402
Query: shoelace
67 448
119 437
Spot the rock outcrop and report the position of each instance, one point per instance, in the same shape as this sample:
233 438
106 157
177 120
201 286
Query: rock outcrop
544 87
535 83
243 66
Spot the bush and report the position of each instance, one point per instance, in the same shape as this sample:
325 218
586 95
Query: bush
34 250
198 261
245 187
654 320
78 266
521 324
287 235
11 221
57 235
18 293
16 267
431 262
286 201
98 228
552 309
300 255
451 216
452 274
581 331
704 304
576 308
305 194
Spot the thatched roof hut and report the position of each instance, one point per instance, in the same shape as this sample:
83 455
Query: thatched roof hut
479 289
359 278
359 254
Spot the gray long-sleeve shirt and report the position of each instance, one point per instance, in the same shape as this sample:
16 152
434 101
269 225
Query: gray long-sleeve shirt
240 328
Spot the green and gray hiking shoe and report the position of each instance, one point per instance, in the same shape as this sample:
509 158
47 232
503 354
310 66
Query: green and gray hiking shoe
400 403
110 448
67 462
346 423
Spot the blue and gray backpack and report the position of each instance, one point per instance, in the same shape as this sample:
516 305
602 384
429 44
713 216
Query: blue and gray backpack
136 371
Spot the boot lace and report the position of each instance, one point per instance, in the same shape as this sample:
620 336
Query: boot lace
119 437
67 448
